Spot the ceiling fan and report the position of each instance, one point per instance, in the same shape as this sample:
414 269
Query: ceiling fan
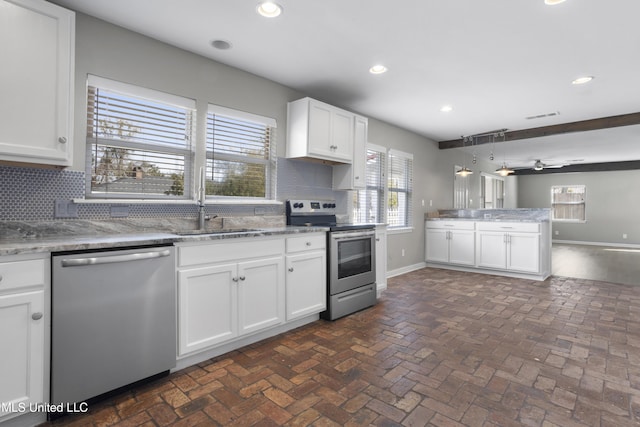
539 165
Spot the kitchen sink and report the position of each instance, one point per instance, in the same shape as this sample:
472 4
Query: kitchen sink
213 232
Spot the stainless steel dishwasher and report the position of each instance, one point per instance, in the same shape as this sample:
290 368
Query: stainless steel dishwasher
113 320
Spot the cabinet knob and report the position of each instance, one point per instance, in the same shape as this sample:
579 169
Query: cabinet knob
308 243
290 269
0 277
235 279
62 140
242 277
36 316
377 239
357 177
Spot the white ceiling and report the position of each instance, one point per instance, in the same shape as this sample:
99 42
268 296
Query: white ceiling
495 61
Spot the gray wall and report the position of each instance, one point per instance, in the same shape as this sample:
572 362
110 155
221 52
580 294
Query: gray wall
612 204
112 52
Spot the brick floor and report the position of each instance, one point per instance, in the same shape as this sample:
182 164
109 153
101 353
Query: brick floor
441 348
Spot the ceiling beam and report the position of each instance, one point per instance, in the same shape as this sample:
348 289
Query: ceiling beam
584 167
582 126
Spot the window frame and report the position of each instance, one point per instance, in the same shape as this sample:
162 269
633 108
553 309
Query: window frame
408 190
583 203
383 208
270 163
156 97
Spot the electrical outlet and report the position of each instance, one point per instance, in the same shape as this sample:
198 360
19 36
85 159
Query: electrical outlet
423 203
119 211
65 209
403 252
430 203
556 232
624 236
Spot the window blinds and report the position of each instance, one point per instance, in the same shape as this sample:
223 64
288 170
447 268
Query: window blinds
240 154
400 187
139 141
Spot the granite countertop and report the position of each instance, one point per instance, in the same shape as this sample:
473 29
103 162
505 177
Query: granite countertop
491 215
36 240
487 219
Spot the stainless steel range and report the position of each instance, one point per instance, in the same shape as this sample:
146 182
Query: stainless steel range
351 266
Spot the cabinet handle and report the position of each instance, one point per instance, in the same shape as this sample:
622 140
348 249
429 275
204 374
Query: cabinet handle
242 277
235 279
62 140
377 239
36 316
291 269
357 177
0 277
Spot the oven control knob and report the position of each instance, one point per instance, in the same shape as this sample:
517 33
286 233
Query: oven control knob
325 205
297 205
301 205
333 205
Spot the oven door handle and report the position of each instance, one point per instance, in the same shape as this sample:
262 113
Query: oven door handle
341 235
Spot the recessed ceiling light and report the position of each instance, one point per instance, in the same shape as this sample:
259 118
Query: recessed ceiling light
269 9
582 80
378 69
221 44
553 2
446 108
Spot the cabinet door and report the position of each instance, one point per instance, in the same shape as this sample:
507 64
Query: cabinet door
523 252
306 284
437 245
207 301
342 135
22 329
320 129
491 249
462 247
260 294
37 50
381 258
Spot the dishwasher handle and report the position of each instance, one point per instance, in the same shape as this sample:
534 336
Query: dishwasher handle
138 256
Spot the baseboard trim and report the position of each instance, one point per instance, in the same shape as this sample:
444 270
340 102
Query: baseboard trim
405 269
613 245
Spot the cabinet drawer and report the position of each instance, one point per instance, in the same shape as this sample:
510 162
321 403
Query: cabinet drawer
22 274
526 227
306 243
452 225
225 250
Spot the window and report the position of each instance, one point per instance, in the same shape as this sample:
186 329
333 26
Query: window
369 203
241 158
388 196
399 186
568 203
139 141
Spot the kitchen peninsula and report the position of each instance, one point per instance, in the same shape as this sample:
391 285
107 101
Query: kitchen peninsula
507 242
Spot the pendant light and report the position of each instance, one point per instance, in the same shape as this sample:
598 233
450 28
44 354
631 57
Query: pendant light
504 170
464 172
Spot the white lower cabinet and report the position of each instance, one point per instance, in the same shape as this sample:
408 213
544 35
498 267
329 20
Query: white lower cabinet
509 246
450 242
381 257
24 321
227 290
518 249
306 275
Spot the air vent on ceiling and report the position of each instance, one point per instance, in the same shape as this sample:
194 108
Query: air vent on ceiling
540 116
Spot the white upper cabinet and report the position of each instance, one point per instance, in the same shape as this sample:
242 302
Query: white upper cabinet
353 176
319 131
37 45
